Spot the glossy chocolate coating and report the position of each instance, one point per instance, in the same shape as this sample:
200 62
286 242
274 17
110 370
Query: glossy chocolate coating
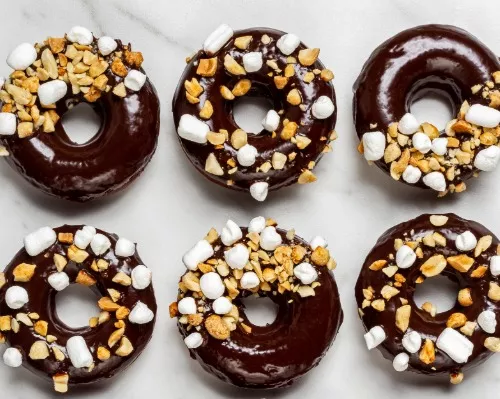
275 355
262 86
421 321
42 301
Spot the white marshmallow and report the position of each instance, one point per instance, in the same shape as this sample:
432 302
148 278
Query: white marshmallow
13 357
257 224
435 180
141 277
440 146
288 43
134 80
466 241
231 233
80 35
8 124
124 247
252 62
187 306
487 321
272 121
400 362
455 345
408 124
375 337
51 92
222 305
201 251
40 240
412 174
259 190
249 280
318 241
84 236
58 281
270 239
192 129
16 297
100 244
482 115
495 265
306 273
246 155
78 352
405 257
237 257
487 159
22 57
141 314
421 142
373 145
107 45
193 340
212 286
412 342
217 39
323 108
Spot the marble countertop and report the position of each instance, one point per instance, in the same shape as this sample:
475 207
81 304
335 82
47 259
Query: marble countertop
171 206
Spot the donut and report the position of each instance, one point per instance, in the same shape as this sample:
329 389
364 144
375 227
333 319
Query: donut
49 79
50 261
424 340
259 63
430 59
267 262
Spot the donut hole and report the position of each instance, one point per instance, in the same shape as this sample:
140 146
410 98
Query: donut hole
434 106
249 111
260 311
81 123
441 291
76 305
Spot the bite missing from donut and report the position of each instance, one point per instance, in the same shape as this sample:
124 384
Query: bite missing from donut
297 130
430 59
50 261
425 340
262 261
49 79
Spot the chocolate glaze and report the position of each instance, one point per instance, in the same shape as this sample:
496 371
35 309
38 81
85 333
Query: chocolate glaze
275 355
264 87
42 301
427 59
421 321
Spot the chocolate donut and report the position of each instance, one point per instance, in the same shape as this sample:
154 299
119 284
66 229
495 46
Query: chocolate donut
430 59
40 341
50 79
423 340
263 63
263 261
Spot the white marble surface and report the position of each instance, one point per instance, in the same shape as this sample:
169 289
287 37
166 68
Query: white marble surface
171 206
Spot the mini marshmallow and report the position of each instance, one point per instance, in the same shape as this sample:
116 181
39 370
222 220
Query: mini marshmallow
217 39
222 305
306 273
373 145
201 251
187 305
252 62
51 92
192 129
375 337
8 124
246 155
487 159
80 35
272 121
22 57
466 241
237 257
408 124
455 345
436 181
141 314
58 281
440 146
288 43
212 286
259 190
100 244
141 277
318 241
323 108
270 239
257 224
421 142
405 257
412 342
495 265
487 321
482 115
249 280
107 45
193 340
16 297
400 362
78 352
84 236
134 80
124 247
13 357
40 240
231 233
412 174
